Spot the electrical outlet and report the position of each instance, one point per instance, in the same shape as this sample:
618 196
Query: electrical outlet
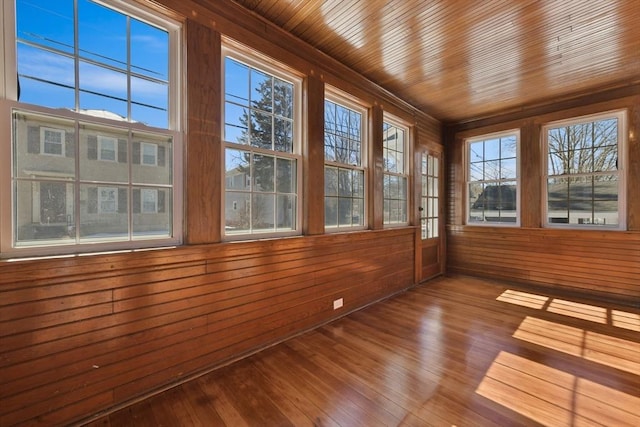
337 303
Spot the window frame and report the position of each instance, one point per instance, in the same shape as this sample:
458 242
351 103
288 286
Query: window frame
406 154
258 61
467 165
620 171
343 99
9 104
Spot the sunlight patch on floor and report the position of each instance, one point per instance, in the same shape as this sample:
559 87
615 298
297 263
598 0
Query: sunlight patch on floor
604 349
555 398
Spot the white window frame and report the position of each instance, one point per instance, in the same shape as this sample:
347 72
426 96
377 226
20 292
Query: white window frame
256 60
102 140
405 173
467 162
344 99
9 103
621 116
44 142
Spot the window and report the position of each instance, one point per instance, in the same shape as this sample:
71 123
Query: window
395 150
107 148
429 199
149 200
344 172
93 102
492 179
52 141
149 154
584 172
262 147
107 200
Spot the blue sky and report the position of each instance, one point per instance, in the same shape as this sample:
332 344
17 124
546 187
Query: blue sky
48 74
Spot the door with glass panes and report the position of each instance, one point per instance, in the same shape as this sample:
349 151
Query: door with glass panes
430 250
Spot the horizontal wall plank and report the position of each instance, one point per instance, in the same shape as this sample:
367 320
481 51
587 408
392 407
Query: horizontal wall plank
116 337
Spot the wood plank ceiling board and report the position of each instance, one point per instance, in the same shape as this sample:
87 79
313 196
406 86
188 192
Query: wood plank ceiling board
465 60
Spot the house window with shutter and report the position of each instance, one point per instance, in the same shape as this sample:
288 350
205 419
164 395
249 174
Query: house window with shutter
52 141
107 147
94 121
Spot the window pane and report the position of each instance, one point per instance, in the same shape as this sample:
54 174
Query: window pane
47 23
236 124
476 152
283 135
238 170
44 212
151 158
330 181
46 78
152 211
236 82
92 166
149 50
264 173
283 98
103 213
285 176
476 202
262 211
261 91
261 130
149 102
44 147
237 212
102 34
331 211
285 212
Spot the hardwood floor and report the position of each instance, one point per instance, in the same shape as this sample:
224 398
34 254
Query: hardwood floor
456 351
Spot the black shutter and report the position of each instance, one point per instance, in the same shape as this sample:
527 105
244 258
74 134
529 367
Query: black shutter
136 200
69 144
161 201
122 200
92 200
33 140
135 153
122 151
92 147
161 155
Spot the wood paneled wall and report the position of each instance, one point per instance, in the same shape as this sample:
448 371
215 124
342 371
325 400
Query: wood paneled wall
604 263
82 334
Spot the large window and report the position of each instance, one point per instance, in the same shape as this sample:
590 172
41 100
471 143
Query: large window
492 179
262 160
95 102
344 172
394 161
584 172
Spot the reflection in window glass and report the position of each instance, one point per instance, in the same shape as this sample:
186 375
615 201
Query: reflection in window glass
261 165
583 172
344 198
395 178
114 52
492 179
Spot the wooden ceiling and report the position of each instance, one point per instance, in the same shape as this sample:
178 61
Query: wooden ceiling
460 60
